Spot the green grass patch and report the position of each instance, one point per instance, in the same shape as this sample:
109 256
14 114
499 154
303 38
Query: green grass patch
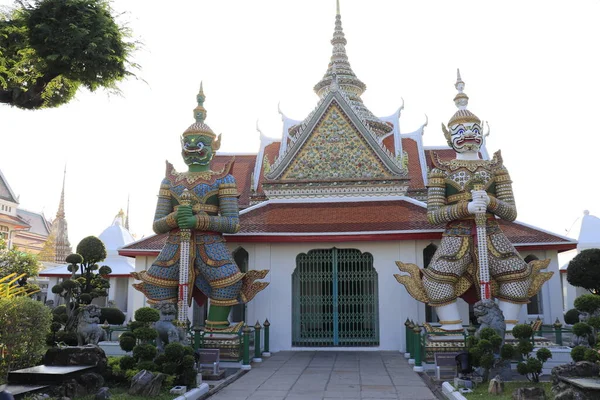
120 393
481 391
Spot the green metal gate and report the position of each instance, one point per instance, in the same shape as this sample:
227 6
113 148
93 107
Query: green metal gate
334 299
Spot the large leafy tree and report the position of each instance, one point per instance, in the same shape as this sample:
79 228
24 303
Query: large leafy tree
50 48
584 270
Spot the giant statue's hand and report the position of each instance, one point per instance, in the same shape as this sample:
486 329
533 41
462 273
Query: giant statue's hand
185 218
479 203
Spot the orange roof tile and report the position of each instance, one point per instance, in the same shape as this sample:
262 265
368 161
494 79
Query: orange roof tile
388 142
369 220
241 171
271 152
414 164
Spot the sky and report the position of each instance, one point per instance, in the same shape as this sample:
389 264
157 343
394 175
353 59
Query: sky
531 69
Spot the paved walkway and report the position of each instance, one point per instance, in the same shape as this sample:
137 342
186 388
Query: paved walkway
319 375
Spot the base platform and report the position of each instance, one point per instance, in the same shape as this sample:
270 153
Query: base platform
46 375
229 345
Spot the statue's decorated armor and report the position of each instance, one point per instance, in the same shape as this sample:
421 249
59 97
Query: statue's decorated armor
453 268
461 192
214 272
204 202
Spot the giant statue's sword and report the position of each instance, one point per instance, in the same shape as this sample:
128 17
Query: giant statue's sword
184 266
482 251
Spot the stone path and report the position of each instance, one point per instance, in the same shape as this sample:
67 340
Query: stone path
321 375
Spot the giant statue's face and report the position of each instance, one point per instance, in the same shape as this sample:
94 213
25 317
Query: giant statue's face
466 137
197 149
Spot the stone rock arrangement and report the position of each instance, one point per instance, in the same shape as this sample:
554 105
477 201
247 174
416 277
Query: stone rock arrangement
531 393
496 386
565 391
145 383
77 355
103 394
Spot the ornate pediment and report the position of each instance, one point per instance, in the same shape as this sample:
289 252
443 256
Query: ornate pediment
335 149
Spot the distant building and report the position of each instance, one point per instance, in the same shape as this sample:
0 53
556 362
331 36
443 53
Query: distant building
57 246
588 238
33 239
10 221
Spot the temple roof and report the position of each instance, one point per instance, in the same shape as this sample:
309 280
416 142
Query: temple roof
37 222
6 192
351 219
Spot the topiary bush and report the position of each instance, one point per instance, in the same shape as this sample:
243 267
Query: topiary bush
114 316
591 355
587 303
147 314
530 367
572 316
578 353
126 362
144 352
582 329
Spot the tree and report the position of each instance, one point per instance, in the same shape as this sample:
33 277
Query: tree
88 281
19 263
50 48
584 270
530 367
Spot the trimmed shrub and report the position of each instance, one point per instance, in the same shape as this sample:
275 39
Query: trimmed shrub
572 316
127 343
147 314
24 325
591 355
587 303
147 365
145 334
582 329
578 353
114 316
69 338
174 351
144 352
126 362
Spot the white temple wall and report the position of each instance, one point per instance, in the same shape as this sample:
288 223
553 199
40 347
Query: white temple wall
275 302
395 304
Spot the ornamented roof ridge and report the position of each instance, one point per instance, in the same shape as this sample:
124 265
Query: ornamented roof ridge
339 65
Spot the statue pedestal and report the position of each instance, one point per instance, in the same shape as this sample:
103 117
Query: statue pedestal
229 345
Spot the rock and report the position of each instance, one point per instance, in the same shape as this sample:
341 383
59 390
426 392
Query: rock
565 391
103 394
502 369
77 355
496 386
529 393
581 369
72 388
91 381
145 383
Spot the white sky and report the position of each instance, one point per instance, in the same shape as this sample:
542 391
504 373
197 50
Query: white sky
531 69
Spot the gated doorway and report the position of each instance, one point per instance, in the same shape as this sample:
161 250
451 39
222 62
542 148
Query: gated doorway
335 299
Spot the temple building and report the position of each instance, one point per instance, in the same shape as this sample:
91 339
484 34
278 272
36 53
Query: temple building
57 247
328 208
23 229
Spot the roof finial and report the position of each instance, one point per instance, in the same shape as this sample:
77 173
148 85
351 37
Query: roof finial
461 99
200 111
337 3
61 205
127 215
347 79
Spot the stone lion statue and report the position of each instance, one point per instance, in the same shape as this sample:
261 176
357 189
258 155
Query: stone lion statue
489 315
88 327
167 331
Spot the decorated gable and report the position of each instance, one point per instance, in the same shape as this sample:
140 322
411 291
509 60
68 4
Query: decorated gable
335 149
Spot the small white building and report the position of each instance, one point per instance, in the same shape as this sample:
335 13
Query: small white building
588 238
120 292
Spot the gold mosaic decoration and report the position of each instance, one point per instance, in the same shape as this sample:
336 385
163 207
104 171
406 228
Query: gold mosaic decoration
335 150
